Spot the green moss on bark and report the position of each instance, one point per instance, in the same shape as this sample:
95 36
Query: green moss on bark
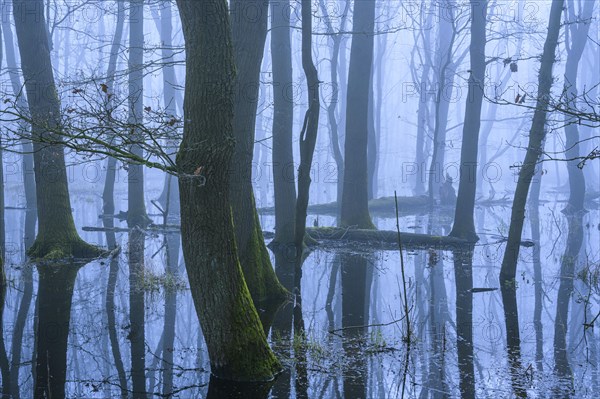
249 358
70 246
258 272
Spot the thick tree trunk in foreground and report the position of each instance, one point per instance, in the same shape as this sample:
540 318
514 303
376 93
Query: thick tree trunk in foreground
57 236
136 204
236 342
464 223
308 135
284 173
355 210
534 148
249 35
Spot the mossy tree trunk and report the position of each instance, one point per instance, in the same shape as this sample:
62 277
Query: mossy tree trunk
354 206
236 342
249 30
284 172
136 204
464 222
57 236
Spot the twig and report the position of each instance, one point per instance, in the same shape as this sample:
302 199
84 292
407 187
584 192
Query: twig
406 311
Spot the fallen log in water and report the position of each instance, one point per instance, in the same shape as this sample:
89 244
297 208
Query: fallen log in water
387 239
374 239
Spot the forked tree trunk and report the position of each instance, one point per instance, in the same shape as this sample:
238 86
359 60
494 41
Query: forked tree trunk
236 342
249 35
57 236
464 223
354 207
284 171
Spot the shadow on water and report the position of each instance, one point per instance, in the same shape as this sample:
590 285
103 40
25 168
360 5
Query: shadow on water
463 272
137 311
53 308
357 273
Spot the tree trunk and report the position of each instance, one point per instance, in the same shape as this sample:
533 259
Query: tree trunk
136 204
236 342
464 223
534 148
57 236
334 127
372 147
308 135
355 210
579 34
169 198
108 198
249 35
284 179
574 210
445 70
12 69
534 219
422 111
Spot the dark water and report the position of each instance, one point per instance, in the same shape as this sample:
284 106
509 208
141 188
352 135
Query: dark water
133 324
